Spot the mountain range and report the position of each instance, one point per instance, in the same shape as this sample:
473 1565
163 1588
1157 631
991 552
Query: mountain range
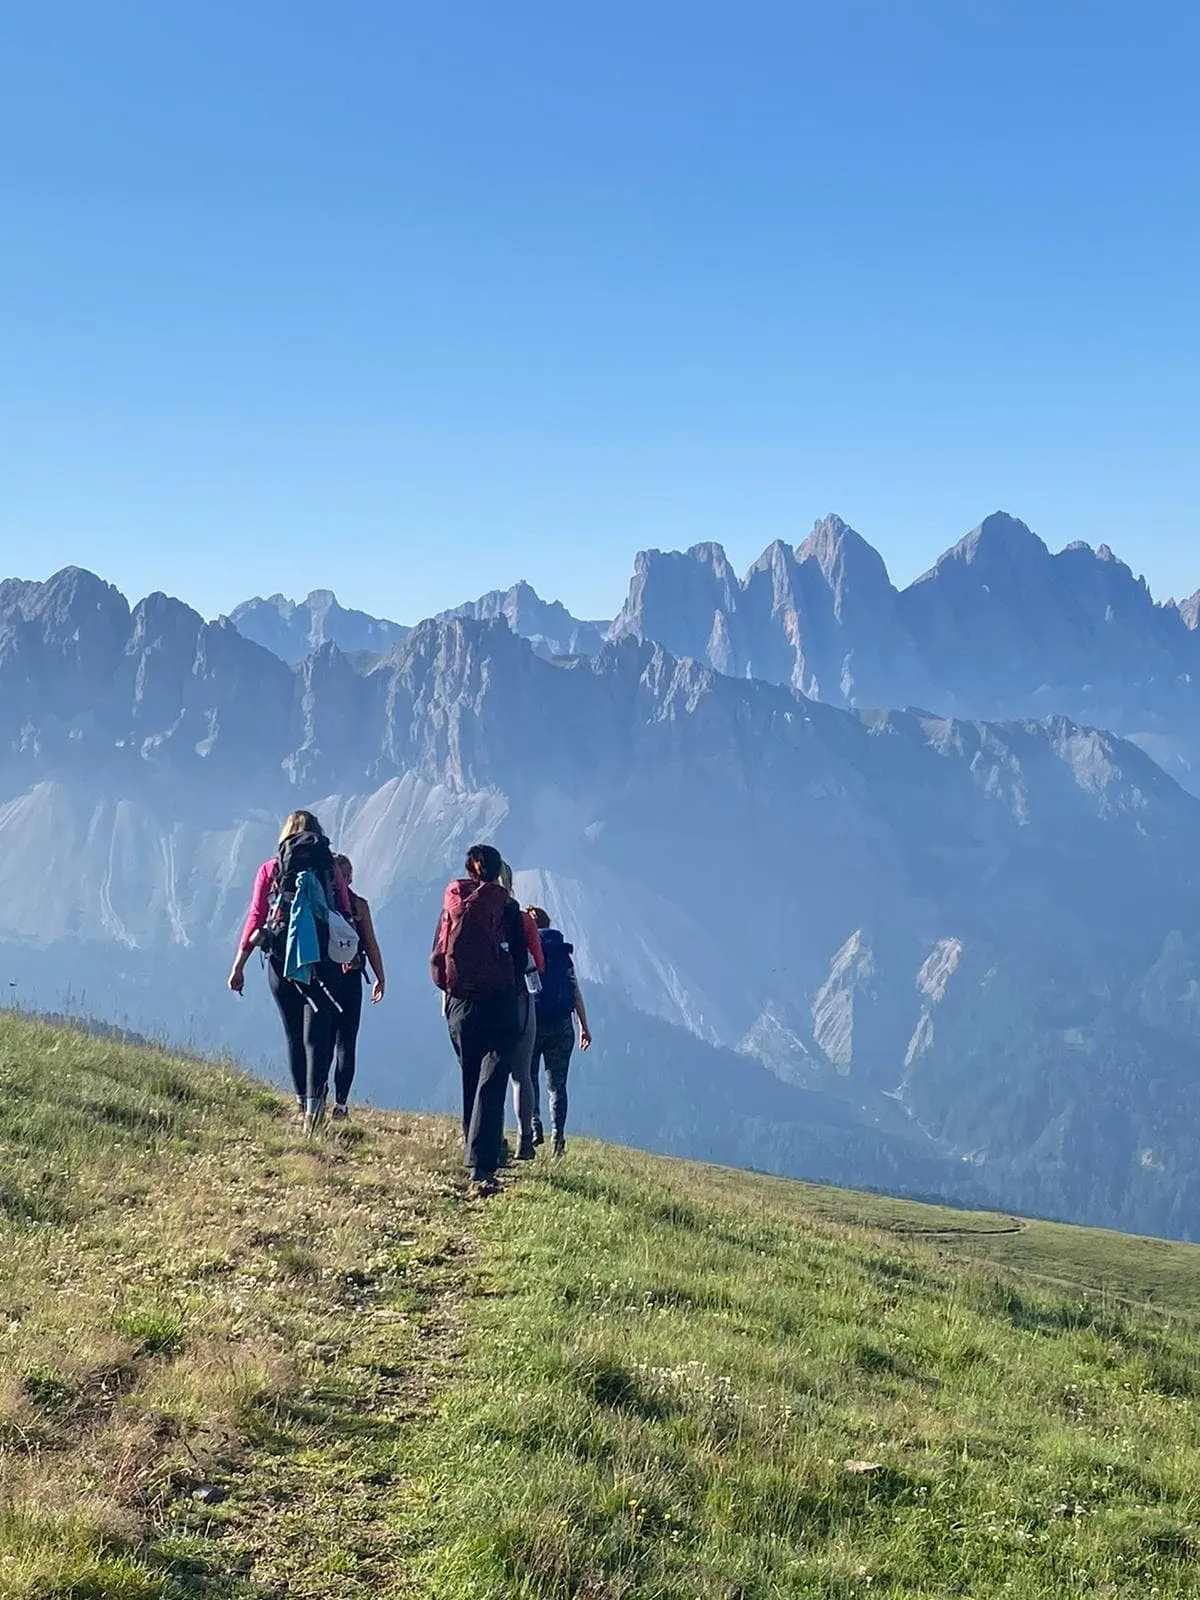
1000 627
903 949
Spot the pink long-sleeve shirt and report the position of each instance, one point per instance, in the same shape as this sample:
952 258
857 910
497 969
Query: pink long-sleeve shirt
260 901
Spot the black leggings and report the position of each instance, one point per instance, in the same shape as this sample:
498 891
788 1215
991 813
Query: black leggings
345 1034
308 1015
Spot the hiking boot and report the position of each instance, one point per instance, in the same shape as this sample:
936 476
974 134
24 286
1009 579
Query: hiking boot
339 1113
485 1188
538 1136
300 1107
560 1145
526 1150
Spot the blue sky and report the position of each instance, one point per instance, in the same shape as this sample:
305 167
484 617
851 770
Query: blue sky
414 300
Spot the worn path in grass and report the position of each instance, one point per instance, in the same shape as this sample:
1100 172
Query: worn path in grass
234 1365
214 1338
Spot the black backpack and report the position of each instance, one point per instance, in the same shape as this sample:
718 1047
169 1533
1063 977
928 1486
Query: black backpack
302 852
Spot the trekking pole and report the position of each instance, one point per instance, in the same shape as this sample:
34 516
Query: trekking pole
308 999
328 996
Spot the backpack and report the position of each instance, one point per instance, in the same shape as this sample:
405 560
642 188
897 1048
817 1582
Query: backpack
302 852
470 958
557 997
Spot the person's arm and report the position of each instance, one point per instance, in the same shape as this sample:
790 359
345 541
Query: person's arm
256 917
514 937
371 949
533 941
585 1032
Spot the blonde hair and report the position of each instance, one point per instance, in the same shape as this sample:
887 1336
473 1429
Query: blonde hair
300 822
506 877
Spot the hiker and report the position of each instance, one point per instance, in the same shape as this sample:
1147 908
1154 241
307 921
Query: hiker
524 1094
559 1005
346 1022
478 961
296 896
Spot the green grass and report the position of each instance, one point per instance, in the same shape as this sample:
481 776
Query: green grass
238 1366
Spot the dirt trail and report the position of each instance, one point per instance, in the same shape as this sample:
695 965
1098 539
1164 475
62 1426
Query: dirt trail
910 1230
319 1498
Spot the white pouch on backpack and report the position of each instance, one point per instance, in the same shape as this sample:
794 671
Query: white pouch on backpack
343 941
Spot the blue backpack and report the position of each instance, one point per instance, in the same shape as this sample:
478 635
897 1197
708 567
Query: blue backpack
556 999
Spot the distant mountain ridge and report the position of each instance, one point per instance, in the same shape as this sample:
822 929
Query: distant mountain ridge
999 627
548 626
965 954
293 629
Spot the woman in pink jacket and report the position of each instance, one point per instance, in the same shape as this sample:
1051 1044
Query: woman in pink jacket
308 1010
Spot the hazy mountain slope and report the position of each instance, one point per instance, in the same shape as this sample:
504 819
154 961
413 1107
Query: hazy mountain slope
979 939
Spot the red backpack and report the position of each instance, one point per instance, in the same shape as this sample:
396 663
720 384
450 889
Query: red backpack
470 958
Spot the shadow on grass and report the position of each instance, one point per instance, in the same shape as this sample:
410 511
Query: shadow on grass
615 1388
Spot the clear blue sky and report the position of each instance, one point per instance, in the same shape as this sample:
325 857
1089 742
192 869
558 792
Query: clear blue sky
412 300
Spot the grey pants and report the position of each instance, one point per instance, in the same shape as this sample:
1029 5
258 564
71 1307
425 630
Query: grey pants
524 1089
554 1043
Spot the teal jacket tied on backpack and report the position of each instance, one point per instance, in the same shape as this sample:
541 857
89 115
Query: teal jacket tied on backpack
303 949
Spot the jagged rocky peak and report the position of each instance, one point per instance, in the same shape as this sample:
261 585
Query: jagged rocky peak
67 633
834 543
160 616
848 563
1000 542
547 624
778 555
1078 557
1189 610
446 654
73 597
711 555
675 598
779 569
291 629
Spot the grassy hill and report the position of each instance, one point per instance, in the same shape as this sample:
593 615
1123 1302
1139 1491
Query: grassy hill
231 1364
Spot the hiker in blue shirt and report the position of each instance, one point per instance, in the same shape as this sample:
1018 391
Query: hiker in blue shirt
559 1006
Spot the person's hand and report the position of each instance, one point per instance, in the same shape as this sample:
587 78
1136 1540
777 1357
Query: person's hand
585 1037
377 991
237 978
